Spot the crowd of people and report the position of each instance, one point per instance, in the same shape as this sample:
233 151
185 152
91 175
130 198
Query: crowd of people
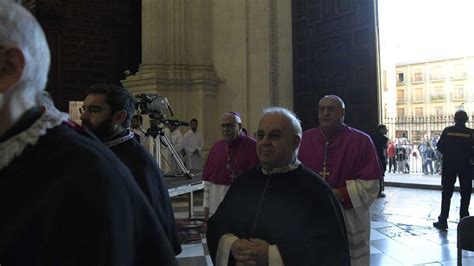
92 194
405 157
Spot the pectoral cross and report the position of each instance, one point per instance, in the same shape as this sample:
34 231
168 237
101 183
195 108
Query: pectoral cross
324 173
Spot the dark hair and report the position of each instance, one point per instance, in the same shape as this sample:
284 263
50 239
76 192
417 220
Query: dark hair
193 120
460 117
118 98
380 127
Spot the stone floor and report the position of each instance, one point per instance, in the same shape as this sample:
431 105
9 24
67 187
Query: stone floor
402 232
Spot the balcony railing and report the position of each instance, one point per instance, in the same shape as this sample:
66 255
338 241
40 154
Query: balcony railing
417 80
437 77
459 76
457 97
438 97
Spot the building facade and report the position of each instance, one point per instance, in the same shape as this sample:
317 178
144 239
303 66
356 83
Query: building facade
427 94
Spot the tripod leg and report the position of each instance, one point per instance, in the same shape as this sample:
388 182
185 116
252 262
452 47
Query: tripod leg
175 155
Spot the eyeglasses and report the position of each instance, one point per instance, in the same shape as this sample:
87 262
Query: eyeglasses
91 109
230 125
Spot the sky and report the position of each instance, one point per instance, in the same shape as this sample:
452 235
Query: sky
413 30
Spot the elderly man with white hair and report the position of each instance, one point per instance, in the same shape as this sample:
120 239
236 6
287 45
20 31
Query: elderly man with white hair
278 213
64 198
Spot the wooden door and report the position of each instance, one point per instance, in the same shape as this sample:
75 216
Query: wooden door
335 52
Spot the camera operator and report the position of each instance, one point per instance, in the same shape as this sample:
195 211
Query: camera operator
107 112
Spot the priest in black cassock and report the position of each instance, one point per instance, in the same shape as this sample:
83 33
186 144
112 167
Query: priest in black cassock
279 212
65 199
107 112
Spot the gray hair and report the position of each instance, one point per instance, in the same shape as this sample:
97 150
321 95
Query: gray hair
337 98
236 116
295 122
20 29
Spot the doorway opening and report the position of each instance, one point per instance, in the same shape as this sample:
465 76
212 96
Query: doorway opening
426 74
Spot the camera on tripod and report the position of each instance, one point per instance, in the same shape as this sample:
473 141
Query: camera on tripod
159 110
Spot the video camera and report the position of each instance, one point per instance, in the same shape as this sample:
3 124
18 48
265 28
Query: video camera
157 108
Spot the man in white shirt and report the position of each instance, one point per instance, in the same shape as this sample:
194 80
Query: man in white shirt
193 144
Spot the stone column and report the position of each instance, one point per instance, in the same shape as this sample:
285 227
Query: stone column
177 60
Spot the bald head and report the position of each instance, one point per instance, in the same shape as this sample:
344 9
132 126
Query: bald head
331 112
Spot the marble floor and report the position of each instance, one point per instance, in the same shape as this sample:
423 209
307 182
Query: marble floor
401 234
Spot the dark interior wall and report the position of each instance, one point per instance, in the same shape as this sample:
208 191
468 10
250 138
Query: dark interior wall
334 52
91 42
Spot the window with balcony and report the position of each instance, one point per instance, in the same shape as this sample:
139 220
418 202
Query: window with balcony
401 96
401 112
437 73
437 93
458 92
438 110
418 77
418 111
418 96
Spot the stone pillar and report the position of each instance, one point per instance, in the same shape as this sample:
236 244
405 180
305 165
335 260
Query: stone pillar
177 60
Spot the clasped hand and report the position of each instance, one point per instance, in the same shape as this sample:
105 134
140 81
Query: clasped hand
250 252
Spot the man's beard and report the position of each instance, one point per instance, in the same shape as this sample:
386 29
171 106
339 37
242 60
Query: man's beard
104 131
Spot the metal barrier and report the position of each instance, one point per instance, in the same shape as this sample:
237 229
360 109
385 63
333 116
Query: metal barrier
411 132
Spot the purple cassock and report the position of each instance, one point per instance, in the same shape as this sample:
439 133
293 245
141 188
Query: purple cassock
350 155
228 160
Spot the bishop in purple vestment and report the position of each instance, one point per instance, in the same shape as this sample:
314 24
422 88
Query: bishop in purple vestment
346 158
229 157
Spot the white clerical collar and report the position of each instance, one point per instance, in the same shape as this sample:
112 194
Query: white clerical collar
117 141
14 146
295 164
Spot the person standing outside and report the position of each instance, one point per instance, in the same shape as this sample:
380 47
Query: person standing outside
391 153
193 145
456 144
346 158
380 142
228 158
107 112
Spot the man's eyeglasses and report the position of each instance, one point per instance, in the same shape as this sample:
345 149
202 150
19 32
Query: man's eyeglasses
230 125
91 109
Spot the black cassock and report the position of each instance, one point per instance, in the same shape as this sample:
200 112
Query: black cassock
68 200
298 213
150 179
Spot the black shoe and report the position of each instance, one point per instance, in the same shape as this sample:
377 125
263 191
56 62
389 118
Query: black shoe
441 225
381 195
